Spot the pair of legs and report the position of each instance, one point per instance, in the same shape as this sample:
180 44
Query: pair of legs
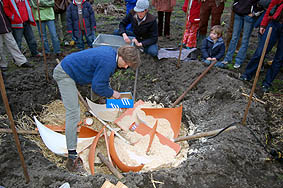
275 37
151 50
27 32
52 30
80 41
69 95
208 8
13 48
61 29
190 36
245 23
229 33
166 24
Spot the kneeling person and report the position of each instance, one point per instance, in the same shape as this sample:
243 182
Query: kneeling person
144 27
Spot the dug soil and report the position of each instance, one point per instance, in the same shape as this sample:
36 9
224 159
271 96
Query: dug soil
233 159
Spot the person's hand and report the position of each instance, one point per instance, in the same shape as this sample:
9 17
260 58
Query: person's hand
209 58
213 59
116 95
137 43
261 30
126 38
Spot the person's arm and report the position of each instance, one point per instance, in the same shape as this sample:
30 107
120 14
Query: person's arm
100 81
123 24
46 3
92 17
69 20
221 52
153 31
7 9
266 18
204 50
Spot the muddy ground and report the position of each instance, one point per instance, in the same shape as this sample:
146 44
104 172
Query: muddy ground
233 159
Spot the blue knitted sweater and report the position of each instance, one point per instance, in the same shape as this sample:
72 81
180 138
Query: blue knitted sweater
93 66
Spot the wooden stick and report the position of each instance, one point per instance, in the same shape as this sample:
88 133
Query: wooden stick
135 85
193 84
19 131
187 19
42 42
254 98
257 75
13 127
204 134
110 166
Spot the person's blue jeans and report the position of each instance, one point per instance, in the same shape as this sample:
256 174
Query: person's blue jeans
218 64
29 37
247 23
151 50
276 36
52 30
80 41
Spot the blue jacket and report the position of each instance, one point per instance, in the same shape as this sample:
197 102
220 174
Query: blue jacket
209 49
73 23
93 66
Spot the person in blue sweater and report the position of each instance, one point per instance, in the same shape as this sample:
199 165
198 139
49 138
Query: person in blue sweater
81 22
93 66
213 47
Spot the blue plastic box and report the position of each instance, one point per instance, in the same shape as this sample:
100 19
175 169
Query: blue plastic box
126 101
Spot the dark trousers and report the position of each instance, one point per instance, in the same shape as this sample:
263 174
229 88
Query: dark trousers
166 25
27 32
275 37
209 8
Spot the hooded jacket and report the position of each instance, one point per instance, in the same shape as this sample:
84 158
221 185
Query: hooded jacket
73 22
211 49
13 13
146 32
194 11
4 22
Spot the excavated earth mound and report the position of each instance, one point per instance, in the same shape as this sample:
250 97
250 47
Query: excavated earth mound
232 159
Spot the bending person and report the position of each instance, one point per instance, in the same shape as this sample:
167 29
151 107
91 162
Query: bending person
93 66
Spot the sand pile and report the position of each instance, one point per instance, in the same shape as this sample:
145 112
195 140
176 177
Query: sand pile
159 155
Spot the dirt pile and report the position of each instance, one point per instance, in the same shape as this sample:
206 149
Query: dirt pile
232 159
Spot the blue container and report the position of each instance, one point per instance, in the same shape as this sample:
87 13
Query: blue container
126 101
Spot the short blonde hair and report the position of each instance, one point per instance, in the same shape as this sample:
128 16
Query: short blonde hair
131 55
218 29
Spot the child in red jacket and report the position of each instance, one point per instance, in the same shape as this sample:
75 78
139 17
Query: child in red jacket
192 26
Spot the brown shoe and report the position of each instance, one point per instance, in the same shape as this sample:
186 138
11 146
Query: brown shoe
75 165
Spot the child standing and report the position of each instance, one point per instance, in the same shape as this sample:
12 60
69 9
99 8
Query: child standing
213 47
164 7
192 26
81 22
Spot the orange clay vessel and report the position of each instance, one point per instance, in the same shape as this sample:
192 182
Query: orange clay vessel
116 159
